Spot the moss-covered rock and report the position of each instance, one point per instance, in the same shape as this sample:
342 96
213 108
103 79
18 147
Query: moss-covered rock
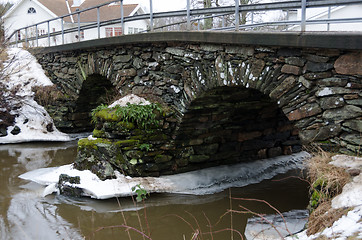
85 143
162 158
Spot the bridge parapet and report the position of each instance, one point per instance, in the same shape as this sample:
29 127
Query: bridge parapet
234 101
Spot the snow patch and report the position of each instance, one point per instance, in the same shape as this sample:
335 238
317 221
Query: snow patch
131 99
325 92
33 120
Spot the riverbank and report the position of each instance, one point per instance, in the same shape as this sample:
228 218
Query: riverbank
337 190
22 118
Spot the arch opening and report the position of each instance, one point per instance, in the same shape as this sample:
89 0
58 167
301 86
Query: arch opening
96 90
234 124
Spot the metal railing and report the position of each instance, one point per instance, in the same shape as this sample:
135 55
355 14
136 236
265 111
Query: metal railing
188 18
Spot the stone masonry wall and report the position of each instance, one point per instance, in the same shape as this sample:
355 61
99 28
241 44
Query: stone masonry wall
317 90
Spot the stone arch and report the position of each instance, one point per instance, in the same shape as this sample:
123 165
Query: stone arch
95 90
237 111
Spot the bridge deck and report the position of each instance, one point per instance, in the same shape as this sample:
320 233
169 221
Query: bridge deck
333 40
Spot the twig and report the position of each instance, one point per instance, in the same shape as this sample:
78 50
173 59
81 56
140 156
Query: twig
124 226
271 206
197 223
210 226
124 218
231 214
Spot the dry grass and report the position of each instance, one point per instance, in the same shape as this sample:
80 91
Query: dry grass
329 177
327 181
47 95
323 217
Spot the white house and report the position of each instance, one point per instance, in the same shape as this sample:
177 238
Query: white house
29 12
340 12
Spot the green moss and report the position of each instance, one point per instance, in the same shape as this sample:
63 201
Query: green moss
127 143
125 125
98 133
144 116
107 115
158 137
85 143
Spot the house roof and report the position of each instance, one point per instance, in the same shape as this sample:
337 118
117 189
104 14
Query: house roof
112 11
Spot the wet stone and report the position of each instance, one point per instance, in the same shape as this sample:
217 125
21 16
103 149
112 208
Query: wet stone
16 130
332 102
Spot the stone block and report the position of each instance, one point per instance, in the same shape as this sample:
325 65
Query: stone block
175 51
198 158
243 136
332 82
206 149
305 111
355 125
162 158
332 102
122 58
316 58
131 72
283 88
296 61
349 64
318 67
291 69
347 112
274 152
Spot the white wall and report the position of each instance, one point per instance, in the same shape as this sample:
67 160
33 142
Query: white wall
93 33
351 11
21 18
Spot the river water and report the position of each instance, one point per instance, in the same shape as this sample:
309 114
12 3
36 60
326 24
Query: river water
25 214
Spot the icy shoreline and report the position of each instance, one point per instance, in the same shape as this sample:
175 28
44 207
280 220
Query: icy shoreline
201 182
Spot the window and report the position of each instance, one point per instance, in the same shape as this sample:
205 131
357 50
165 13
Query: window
116 31
41 31
31 10
132 30
109 32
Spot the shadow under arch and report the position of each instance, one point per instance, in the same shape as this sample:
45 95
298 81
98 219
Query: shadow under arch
95 90
226 125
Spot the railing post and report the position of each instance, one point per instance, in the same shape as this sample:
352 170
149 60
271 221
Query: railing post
26 35
17 37
188 15
329 17
36 35
78 16
48 33
237 15
151 16
122 17
304 13
62 21
99 23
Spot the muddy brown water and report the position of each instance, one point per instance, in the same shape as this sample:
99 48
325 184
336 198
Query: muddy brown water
25 214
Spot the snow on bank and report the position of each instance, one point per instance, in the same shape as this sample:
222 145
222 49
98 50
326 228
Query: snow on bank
32 119
206 181
132 99
349 225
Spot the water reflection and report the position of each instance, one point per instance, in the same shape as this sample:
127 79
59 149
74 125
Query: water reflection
24 214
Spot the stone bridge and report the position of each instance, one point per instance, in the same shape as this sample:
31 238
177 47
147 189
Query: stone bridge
232 96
